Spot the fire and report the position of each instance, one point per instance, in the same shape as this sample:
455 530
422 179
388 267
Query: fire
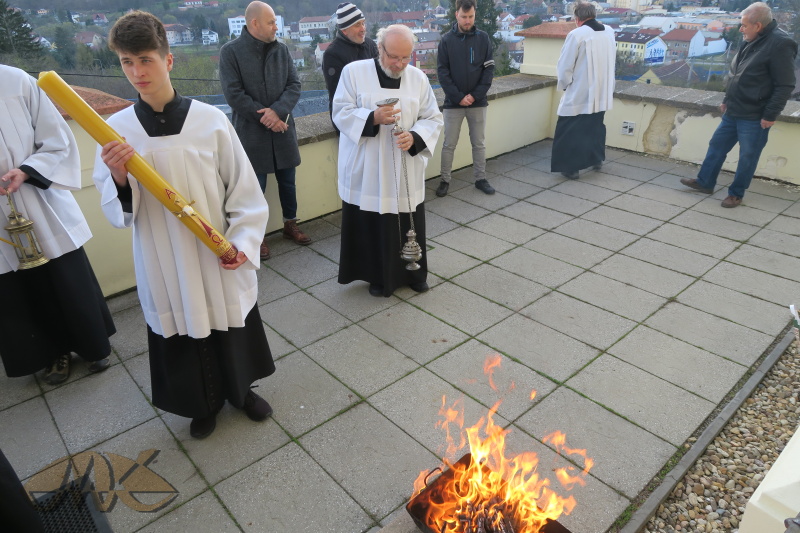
486 490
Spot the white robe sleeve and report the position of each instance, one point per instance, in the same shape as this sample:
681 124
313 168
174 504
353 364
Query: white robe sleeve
109 201
430 120
346 111
565 67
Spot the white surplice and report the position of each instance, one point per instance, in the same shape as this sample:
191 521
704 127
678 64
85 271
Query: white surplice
33 133
586 71
370 168
182 288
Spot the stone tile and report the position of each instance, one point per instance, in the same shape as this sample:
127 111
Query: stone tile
540 149
777 242
766 261
650 163
460 308
30 440
605 293
131 336
517 157
564 203
501 286
749 281
665 195
537 267
513 188
694 240
446 262
376 451
730 229
473 243
651 278
684 170
436 225
579 320
79 369
301 318
671 257
304 267
277 344
405 293
673 360
491 202
542 165
16 390
319 229
272 286
413 332
203 513
736 307
352 300
120 302
505 228
652 403
303 395
610 181
454 209
716 335
672 181
622 220
568 250
500 166
124 408
360 360
584 190
785 224
139 369
596 234
553 354
778 190
509 382
258 506
625 456
535 215
279 246
617 168
645 206
334 218
761 201
613 154
744 213
541 178
793 211
329 247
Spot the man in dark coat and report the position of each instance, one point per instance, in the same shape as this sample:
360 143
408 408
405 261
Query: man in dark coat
351 44
761 81
261 85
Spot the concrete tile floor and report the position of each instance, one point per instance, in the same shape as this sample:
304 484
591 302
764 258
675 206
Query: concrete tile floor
628 303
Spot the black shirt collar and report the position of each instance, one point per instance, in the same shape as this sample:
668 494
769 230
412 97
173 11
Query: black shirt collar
167 122
385 81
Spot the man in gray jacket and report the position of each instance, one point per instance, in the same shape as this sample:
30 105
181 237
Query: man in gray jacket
260 84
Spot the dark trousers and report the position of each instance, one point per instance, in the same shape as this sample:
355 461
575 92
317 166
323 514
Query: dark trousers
287 192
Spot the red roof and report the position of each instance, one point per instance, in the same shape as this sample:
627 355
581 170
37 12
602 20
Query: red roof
315 19
680 35
650 31
550 30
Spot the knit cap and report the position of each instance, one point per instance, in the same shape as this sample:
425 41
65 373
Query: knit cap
347 14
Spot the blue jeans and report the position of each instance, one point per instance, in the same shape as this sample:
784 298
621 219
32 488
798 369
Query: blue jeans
751 138
287 192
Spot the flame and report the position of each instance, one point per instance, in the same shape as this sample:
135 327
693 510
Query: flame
486 485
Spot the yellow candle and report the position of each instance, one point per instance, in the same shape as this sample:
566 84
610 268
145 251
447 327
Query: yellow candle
79 110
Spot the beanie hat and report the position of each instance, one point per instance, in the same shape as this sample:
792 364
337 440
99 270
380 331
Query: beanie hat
347 14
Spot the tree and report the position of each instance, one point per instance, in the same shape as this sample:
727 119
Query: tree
502 62
15 34
485 18
530 22
66 48
198 25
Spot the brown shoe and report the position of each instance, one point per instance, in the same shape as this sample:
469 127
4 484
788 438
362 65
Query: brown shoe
292 231
732 201
58 371
264 250
692 184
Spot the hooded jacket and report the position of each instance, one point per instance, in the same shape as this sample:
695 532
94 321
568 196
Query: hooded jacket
465 66
762 76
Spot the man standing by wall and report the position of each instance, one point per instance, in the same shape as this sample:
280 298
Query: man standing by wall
260 84
351 44
760 82
586 74
465 68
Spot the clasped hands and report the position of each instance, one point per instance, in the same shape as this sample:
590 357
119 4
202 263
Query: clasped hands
272 121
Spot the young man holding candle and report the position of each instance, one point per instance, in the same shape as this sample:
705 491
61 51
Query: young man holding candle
205 335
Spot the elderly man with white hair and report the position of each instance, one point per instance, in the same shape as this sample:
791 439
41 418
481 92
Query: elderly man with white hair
381 170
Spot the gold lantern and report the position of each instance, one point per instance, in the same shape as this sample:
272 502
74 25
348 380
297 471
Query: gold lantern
26 246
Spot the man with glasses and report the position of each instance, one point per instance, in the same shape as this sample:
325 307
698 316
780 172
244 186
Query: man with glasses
382 170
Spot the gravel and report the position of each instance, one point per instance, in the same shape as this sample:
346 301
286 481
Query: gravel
712 496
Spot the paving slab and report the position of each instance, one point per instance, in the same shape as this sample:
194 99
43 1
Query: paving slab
665 195
446 262
474 243
568 250
267 497
501 166
377 450
272 286
785 224
743 213
596 234
767 261
672 181
131 336
436 225
329 247
627 171
278 345
30 439
203 513
610 181
304 267
506 228
301 318
777 242
730 229
671 257
611 295
352 300
644 206
565 203
652 278
454 209
537 267
579 320
17 390
793 210
650 402
491 202
650 163
139 369
716 335
694 240
703 373
586 191
539 347
622 220
535 215
748 281
513 188
360 360
540 178
319 229
766 203
625 455
500 286
79 368
125 300
461 308
518 157
779 190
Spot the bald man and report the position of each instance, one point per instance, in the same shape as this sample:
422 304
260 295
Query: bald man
261 85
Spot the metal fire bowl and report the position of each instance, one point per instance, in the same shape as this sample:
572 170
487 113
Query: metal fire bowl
419 504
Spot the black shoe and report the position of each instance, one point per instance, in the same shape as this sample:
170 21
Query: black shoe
442 189
375 289
255 407
201 428
598 166
99 366
570 175
484 186
419 287
58 371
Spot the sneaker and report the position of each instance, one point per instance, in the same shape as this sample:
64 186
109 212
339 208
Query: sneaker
484 186
201 428
255 407
731 201
692 184
264 250
570 175
419 287
58 371
442 189
99 366
292 232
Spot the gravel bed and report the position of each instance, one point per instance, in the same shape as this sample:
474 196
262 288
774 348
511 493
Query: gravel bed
712 495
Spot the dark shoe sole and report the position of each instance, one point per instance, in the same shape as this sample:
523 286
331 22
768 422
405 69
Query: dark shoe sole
201 428
375 290
692 184
55 379
419 287
570 175
99 366
254 413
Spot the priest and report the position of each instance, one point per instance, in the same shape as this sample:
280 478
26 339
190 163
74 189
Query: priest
381 171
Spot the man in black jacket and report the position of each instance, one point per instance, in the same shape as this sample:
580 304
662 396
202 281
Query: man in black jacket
351 44
466 68
760 82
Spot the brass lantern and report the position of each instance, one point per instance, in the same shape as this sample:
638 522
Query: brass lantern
26 246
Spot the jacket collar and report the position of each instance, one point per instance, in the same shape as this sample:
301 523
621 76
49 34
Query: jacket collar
342 37
459 32
252 41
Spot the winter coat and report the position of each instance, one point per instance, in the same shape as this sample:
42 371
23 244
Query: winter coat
341 52
465 66
255 75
